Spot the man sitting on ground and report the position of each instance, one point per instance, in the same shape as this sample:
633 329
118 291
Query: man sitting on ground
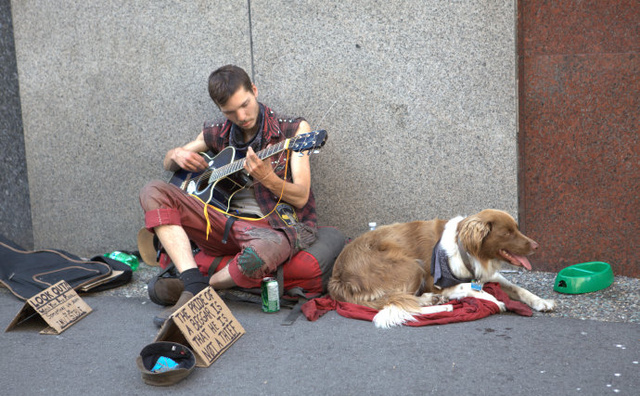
268 222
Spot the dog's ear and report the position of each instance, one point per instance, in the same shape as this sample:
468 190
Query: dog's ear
472 232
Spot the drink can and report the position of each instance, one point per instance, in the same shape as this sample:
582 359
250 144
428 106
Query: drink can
270 295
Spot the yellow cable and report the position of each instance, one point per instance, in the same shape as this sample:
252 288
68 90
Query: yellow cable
206 212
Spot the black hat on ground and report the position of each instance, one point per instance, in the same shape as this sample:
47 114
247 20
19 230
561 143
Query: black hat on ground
165 363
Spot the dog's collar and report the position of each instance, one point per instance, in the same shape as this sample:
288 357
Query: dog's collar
465 259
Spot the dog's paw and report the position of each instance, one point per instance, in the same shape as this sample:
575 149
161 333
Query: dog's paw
428 299
543 305
502 306
439 299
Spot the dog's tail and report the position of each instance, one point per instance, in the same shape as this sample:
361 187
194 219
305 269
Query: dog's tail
356 290
395 308
403 308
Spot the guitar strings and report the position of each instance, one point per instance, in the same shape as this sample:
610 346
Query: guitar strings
224 170
206 205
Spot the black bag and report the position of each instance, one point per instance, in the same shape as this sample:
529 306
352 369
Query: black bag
27 273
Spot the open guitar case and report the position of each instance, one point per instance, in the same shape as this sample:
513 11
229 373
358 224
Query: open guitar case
27 273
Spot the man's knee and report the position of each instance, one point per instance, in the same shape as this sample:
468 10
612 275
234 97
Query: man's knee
150 193
250 263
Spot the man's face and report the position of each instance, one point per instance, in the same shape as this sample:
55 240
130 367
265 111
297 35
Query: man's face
242 108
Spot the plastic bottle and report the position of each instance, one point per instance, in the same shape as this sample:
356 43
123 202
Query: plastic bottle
129 259
372 226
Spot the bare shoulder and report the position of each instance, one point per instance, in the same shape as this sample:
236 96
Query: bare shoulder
304 127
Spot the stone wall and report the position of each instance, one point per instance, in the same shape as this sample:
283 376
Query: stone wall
418 98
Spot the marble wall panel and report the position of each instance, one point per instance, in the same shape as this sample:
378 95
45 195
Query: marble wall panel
580 132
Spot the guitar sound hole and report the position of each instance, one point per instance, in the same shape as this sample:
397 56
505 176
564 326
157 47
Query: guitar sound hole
202 185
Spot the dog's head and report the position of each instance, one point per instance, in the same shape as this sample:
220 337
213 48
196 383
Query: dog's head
494 234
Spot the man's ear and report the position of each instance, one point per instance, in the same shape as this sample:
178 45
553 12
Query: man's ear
255 90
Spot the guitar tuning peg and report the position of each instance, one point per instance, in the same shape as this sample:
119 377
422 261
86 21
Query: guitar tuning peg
316 151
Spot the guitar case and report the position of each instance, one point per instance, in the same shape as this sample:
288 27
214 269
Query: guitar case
27 273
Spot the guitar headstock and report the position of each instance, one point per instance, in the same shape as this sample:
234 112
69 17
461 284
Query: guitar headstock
308 141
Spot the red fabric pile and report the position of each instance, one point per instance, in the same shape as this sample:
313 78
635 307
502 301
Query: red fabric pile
464 310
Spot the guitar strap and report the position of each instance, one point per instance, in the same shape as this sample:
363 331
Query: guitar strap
227 228
231 220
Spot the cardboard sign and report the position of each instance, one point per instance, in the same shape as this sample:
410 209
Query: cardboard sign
59 306
205 324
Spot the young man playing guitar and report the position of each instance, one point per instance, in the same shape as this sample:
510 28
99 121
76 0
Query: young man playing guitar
263 223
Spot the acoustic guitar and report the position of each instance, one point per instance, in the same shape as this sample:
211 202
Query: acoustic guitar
222 179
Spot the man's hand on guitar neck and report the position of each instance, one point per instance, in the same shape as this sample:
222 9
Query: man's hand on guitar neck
257 168
296 193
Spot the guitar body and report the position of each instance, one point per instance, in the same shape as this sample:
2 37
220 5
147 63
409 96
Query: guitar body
216 192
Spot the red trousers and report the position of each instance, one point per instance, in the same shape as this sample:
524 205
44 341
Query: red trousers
258 248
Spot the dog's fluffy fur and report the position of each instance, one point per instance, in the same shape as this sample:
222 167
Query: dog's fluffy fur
389 269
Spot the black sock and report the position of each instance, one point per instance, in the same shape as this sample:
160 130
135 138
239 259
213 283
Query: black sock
194 281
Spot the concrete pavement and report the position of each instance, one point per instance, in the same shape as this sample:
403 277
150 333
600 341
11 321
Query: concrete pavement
499 355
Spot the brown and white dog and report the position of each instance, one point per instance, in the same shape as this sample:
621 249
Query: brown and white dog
390 268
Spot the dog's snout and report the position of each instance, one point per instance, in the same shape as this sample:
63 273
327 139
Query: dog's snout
534 245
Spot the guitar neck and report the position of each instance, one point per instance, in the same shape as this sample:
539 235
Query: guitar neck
237 165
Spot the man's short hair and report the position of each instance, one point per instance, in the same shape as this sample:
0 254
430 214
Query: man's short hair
225 81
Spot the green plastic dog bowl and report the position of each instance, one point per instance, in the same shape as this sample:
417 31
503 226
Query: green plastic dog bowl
584 278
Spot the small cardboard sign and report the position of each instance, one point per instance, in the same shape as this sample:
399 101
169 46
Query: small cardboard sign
59 306
205 324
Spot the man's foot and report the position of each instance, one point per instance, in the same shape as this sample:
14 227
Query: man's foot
162 317
165 291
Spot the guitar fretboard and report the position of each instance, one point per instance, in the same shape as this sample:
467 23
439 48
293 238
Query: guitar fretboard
237 165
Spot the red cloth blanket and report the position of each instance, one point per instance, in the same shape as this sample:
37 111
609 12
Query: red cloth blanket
464 310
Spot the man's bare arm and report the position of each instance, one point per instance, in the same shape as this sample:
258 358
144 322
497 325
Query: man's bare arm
187 157
296 193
